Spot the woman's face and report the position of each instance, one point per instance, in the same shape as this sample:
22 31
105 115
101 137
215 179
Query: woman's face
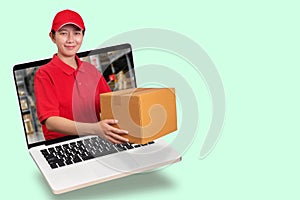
68 40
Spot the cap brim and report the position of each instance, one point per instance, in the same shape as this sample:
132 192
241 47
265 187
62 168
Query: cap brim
72 23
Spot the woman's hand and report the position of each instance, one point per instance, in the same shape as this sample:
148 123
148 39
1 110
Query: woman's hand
111 133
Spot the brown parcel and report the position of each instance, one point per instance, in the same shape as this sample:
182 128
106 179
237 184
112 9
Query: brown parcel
146 113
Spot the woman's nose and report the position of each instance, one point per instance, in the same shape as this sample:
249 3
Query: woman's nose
70 37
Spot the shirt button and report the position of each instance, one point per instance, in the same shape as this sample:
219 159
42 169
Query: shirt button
79 83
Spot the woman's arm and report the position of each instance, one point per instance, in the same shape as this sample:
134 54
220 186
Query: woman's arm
102 129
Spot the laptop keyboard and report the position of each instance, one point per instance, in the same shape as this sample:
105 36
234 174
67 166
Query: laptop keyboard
82 150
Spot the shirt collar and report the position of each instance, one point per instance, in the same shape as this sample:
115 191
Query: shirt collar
67 69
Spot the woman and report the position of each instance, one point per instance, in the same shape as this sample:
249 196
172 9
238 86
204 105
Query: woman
68 90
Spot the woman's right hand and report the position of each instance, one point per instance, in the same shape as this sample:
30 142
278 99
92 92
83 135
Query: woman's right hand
111 133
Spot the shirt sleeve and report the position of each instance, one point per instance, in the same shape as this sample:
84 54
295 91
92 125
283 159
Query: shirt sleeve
103 87
47 103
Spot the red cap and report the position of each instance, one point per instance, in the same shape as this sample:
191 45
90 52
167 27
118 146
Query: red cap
67 17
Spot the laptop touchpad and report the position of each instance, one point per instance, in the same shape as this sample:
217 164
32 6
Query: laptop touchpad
122 162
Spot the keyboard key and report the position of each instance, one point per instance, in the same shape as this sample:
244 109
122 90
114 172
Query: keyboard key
128 146
120 147
58 148
53 165
52 159
69 162
87 157
51 150
45 152
77 159
60 163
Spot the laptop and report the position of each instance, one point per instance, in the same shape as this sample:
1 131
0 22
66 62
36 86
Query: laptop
74 162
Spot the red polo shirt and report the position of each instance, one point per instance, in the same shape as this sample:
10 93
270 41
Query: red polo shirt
60 90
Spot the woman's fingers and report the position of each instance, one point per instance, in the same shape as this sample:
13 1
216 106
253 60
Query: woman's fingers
118 131
111 139
111 133
117 137
110 121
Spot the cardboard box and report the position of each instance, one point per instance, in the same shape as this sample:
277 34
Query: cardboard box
146 113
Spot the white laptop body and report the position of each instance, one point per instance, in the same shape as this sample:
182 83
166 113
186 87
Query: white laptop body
97 170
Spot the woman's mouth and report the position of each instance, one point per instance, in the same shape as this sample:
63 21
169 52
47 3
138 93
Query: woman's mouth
70 47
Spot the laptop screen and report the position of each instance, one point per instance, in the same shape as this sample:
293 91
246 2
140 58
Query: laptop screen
115 63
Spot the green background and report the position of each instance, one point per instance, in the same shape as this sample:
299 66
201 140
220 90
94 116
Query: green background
254 45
